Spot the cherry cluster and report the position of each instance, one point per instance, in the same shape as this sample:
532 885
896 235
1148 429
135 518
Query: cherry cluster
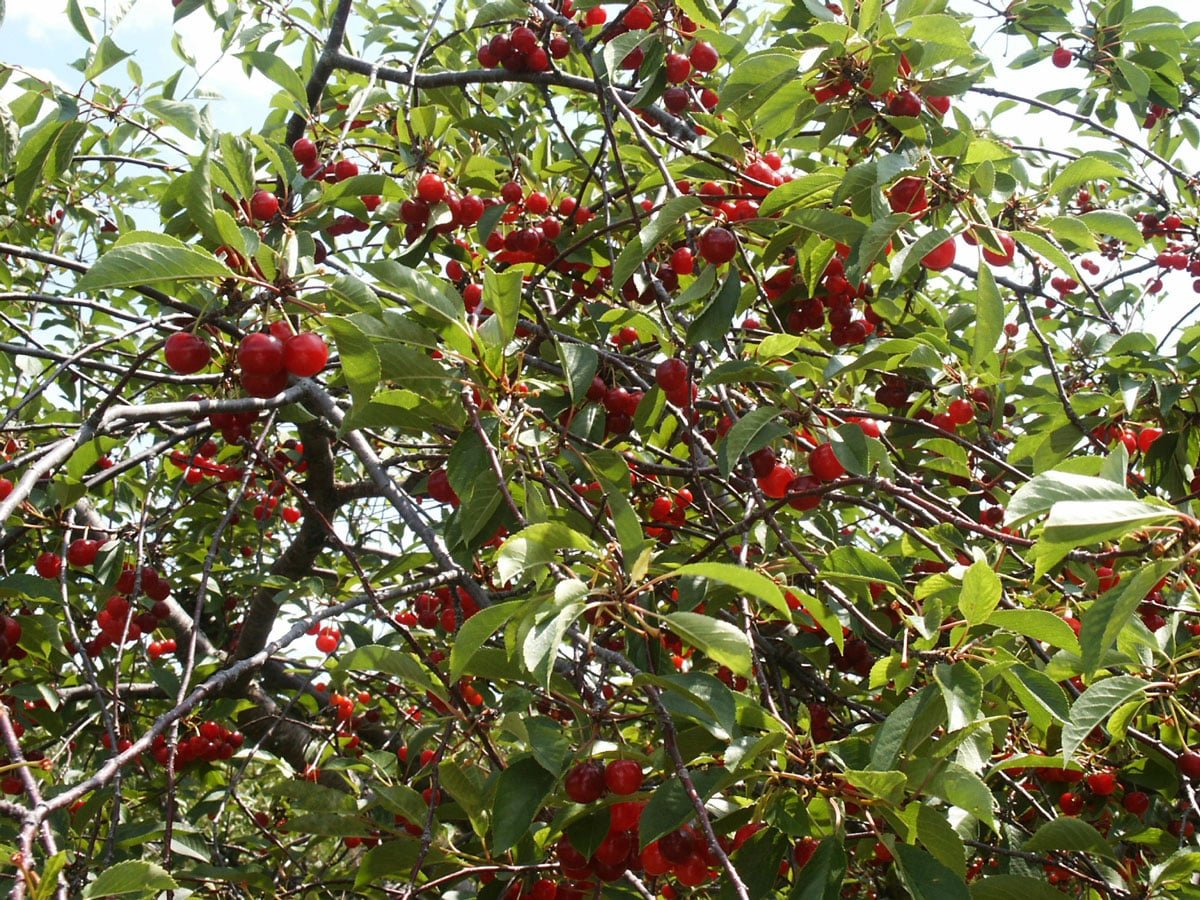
211 742
439 609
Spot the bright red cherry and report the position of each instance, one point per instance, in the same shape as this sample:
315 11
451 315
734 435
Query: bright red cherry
1070 803
304 152
824 464
264 206
961 411
82 552
511 192
623 776
1005 258
908 195
260 354
344 169
940 105
639 18
431 188
683 262
803 851
678 67
704 57
776 483
1147 437
258 385
304 355
185 353
1102 783
717 245
585 782
940 257
6 487
48 565
1062 57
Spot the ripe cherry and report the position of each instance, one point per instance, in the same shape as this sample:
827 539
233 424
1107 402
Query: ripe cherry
717 245
185 353
82 552
511 192
777 482
803 851
1005 258
908 195
1070 803
260 354
264 206
1061 57
678 845
671 374
940 257
1102 783
304 152
824 464
48 565
304 355
623 776
1136 802
431 188
961 411
678 67
905 103
704 57
585 782
1189 764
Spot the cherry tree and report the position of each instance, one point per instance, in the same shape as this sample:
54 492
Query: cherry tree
606 450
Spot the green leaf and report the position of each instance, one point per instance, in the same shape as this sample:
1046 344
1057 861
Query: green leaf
1116 224
390 859
1094 706
78 21
824 873
989 319
476 630
359 359
805 190
1038 624
661 223
714 320
887 786
916 251
47 885
548 742
669 806
1039 695
106 55
502 295
520 791
940 838
925 877
1088 167
963 788
1069 833
132 877
757 861
962 689
749 433
1006 887
855 565
580 362
1042 491
1075 523
720 641
745 580
981 593
278 70
893 734
1045 247
544 640
536 547
44 154
1111 612
868 249
142 257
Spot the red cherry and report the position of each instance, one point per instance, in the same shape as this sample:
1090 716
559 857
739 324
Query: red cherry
595 16
623 776
1062 57
431 188
304 355
678 67
260 354
264 205
1136 802
304 152
908 195
824 464
82 552
800 487
185 353
6 487
704 57
1070 803
671 374
961 411
1102 783
48 565
682 261
940 257
940 105
511 192
804 850
1147 437
1005 258
344 169
678 845
639 18
905 103
585 782
775 485
523 39
1189 764
717 245
257 385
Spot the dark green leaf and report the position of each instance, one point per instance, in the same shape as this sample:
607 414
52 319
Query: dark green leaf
661 223
720 641
520 791
132 877
926 878
1095 705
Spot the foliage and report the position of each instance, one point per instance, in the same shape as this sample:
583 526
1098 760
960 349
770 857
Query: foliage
717 391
